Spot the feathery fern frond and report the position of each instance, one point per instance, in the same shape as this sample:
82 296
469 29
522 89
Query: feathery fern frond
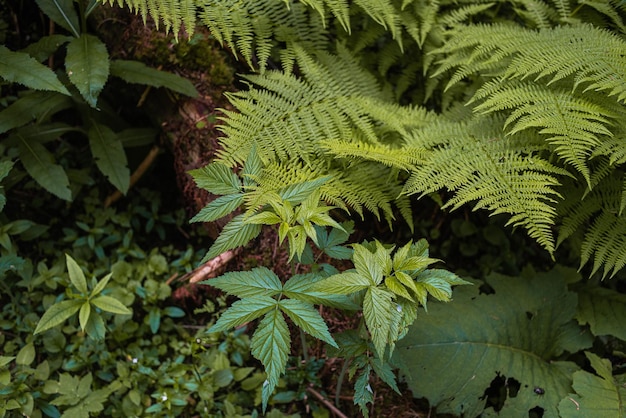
172 13
502 174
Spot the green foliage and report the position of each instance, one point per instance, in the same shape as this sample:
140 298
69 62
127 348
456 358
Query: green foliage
31 119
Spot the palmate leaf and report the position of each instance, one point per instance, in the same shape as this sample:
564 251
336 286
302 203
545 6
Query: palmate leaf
270 344
600 396
235 234
243 311
219 208
139 73
259 281
516 333
379 310
18 67
302 287
110 157
87 66
307 318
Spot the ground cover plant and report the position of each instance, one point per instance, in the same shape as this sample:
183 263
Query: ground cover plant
385 110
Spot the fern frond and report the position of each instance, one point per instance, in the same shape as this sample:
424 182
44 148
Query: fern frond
171 13
404 159
502 174
572 123
599 214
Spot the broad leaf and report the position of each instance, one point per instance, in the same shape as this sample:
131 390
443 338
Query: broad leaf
235 234
603 309
109 304
83 315
308 319
378 311
297 193
77 277
39 163
344 283
217 179
139 73
600 396
46 46
110 157
57 314
63 13
368 264
270 345
87 66
243 311
259 281
219 208
18 67
37 105
516 333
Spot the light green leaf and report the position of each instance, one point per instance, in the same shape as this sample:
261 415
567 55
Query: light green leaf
516 333
26 355
235 234
343 283
217 179
109 304
110 157
83 315
264 218
219 208
303 287
297 193
87 66
39 163
57 314
397 287
252 168
139 73
101 285
62 12
599 396
18 67
271 344
603 309
77 277
308 319
367 264
243 311
4 360
363 393
243 284
378 307
36 105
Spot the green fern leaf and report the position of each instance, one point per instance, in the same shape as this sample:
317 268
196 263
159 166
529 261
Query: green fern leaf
87 66
18 67
171 13
271 344
245 284
218 208
110 157
244 311
235 234
307 318
39 163
139 73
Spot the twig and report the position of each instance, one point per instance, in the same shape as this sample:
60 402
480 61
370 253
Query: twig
140 171
326 403
210 268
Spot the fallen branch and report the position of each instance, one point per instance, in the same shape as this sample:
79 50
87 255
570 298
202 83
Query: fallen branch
147 162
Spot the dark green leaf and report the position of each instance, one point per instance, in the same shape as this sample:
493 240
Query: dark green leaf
603 309
57 314
139 73
36 105
26 355
308 319
363 393
219 208
259 281
137 137
63 13
173 312
110 157
235 234
46 46
18 67
217 179
244 311
87 65
109 304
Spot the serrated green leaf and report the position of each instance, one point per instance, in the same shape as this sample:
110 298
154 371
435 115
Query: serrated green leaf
110 157
139 73
308 319
18 67
46 46
363 393
264 218
217 179
367 264
83 315
271 344
87 66
350 344
77 277
26 355
109 304
386 374
397 287
343 283
378 309
303 287
219 208
234 234
99 287
252 168
259 281
297 193
517 333
39 163
596 396
243 311
57 314
36 105
63 13
603 309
